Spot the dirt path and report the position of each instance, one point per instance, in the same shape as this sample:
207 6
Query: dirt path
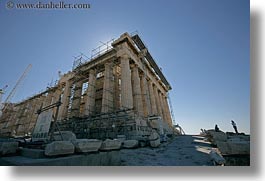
185 150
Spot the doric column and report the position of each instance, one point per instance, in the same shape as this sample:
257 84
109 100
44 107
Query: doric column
162 106
117 91
145 95
63 112
91 93
75 110
126 84
169 119
159 109
152 98
137 94
37 106
107 97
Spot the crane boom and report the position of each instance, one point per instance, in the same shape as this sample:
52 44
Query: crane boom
12 93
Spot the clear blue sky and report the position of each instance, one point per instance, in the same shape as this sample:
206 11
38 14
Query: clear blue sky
202 46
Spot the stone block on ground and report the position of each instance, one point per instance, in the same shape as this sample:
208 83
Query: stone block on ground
130 144
217 157
110 145
87 145
234 148
154 139
64 136
219 136
8 148
59 148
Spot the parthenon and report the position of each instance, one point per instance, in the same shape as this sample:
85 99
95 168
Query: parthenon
120 91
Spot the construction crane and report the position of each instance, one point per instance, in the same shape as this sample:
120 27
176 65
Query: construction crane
12 93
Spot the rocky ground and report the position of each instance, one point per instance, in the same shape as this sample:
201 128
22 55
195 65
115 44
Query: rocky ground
184 150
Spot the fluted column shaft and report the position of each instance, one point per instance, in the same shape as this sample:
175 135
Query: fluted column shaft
152 98
91 94
126 84
107 98
137 94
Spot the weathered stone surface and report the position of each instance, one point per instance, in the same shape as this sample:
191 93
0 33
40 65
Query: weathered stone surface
219 136
67 136
110 145
237 138
130 144
231 148
8 148
154 139
87 145
59 148
217 157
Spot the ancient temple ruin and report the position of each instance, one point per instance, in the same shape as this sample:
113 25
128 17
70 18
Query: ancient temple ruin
118 91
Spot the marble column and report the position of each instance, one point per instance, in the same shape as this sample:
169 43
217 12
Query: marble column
152 98
91 93
117 103
63 112
126 84
75 110
107 97
145 96
157 99
137 94
162 106
169 119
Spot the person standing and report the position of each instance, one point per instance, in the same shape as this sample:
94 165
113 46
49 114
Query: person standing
216 128
234 126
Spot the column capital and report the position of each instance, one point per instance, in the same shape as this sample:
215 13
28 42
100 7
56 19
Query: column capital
124 56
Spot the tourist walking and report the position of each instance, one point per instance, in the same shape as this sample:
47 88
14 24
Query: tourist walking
234 126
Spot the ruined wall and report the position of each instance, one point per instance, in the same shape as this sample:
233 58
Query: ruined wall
123 78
